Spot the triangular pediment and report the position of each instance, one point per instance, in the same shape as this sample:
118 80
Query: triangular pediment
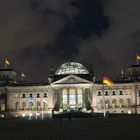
72 79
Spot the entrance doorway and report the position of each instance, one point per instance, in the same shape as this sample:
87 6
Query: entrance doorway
72 99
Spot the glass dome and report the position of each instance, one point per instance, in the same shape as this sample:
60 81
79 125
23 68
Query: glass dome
71 68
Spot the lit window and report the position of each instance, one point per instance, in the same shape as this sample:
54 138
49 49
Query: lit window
107 104
121 102
128 102
99 104
16 96
114 103
31 105
128 93
16 105
72 97
38 105
79 96
65 96
23 106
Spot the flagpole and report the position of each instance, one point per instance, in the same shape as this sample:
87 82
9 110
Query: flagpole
36 108
137 61
108 82
5 64
122 72
42 109
21 77
42 113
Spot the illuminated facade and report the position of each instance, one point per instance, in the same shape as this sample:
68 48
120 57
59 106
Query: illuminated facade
71 88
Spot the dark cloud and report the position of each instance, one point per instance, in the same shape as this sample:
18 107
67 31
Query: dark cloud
27 28
36 34
32 22
117 46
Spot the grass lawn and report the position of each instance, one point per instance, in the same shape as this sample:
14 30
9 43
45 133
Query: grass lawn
112 128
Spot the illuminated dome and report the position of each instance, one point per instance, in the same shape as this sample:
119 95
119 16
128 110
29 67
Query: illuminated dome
71 68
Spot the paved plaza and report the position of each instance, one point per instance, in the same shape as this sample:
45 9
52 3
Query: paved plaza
111 128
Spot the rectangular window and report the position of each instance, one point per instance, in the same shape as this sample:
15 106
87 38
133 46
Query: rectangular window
79 97
45 94
99 93
64 98
72 99
106 93
23 95
113 93
121 93
38 95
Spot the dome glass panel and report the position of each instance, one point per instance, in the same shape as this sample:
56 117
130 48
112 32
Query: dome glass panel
71 68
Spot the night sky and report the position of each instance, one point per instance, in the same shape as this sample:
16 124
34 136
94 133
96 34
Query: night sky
37 34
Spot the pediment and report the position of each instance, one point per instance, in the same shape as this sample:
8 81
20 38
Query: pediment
71 79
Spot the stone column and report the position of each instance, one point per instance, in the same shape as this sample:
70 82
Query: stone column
83 97
76 94
68 90
60 98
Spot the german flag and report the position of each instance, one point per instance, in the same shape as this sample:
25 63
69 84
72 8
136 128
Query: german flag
7 62
138 57
23 75
108 81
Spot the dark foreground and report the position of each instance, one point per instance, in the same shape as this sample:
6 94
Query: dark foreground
111 128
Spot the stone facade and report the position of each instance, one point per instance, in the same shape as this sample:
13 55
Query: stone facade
71 92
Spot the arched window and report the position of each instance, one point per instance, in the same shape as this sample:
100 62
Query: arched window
16 96
128 102
45 105
38 105
16 105
2 107
31 105
106 103
99 104
121 102
23 106
114 103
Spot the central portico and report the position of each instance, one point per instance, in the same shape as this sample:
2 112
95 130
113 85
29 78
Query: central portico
72 91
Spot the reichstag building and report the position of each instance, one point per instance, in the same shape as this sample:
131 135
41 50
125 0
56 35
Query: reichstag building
71 88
